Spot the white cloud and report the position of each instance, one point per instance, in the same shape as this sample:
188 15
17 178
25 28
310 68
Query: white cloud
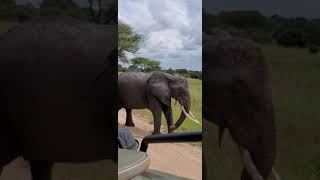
171 28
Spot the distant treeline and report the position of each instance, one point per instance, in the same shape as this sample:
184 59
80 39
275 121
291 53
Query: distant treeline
183 72
297 32
186 73
102 14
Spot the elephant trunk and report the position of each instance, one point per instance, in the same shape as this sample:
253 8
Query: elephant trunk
180 120
186 105
259 159
257 168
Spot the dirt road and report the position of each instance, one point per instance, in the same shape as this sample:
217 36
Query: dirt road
178 159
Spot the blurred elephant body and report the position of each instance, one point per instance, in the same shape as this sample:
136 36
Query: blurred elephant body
238 98
54 99
154 91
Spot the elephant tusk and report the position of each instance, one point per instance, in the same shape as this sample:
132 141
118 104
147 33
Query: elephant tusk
189 116
249 165
275 174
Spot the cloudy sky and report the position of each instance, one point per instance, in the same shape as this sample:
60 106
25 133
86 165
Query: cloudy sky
289 8
171 29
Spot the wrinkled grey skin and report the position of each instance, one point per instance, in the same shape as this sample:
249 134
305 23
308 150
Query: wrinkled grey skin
238 98
54 99
153 91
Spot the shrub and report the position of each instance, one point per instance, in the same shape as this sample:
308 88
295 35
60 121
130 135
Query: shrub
291 37
25 12
313 49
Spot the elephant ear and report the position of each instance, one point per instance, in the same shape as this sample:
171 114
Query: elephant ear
158 87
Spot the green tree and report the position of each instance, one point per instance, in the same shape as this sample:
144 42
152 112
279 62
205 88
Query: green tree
292 37
61 4
243 19
145 64
7 8
7 4
25 12
134 68
182 71
121 68
128 41
170 71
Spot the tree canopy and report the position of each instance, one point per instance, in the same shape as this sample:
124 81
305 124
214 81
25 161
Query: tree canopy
7 3
144 64
285 31
128 41
61 4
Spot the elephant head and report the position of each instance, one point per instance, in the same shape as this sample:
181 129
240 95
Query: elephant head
164 86
238 98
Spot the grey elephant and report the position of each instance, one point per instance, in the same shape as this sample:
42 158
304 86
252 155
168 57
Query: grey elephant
138 90
55 104
238 98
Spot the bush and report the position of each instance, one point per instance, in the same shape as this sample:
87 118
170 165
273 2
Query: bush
259 36
169 71
25 12
291 37
243 19
313 49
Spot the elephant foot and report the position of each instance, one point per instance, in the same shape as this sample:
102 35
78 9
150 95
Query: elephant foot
171 128
130 124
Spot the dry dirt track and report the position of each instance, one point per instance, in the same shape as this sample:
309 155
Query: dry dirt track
178 159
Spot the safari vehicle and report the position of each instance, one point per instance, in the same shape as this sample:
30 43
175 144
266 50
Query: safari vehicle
134 164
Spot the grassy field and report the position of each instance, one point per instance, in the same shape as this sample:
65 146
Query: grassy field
195 88
296 88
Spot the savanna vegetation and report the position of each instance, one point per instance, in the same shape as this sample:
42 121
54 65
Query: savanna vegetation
290 32
96 11
287 44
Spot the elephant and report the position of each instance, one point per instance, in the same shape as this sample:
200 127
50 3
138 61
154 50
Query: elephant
139 90
55 103
237 91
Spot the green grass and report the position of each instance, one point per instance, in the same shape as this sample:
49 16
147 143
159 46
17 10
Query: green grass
296 88
195 88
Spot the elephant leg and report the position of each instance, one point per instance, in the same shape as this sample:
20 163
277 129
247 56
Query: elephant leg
129 121
168 114
41 170
156 112
155 108
156 121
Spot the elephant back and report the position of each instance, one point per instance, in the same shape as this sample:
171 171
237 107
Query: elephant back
130 83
